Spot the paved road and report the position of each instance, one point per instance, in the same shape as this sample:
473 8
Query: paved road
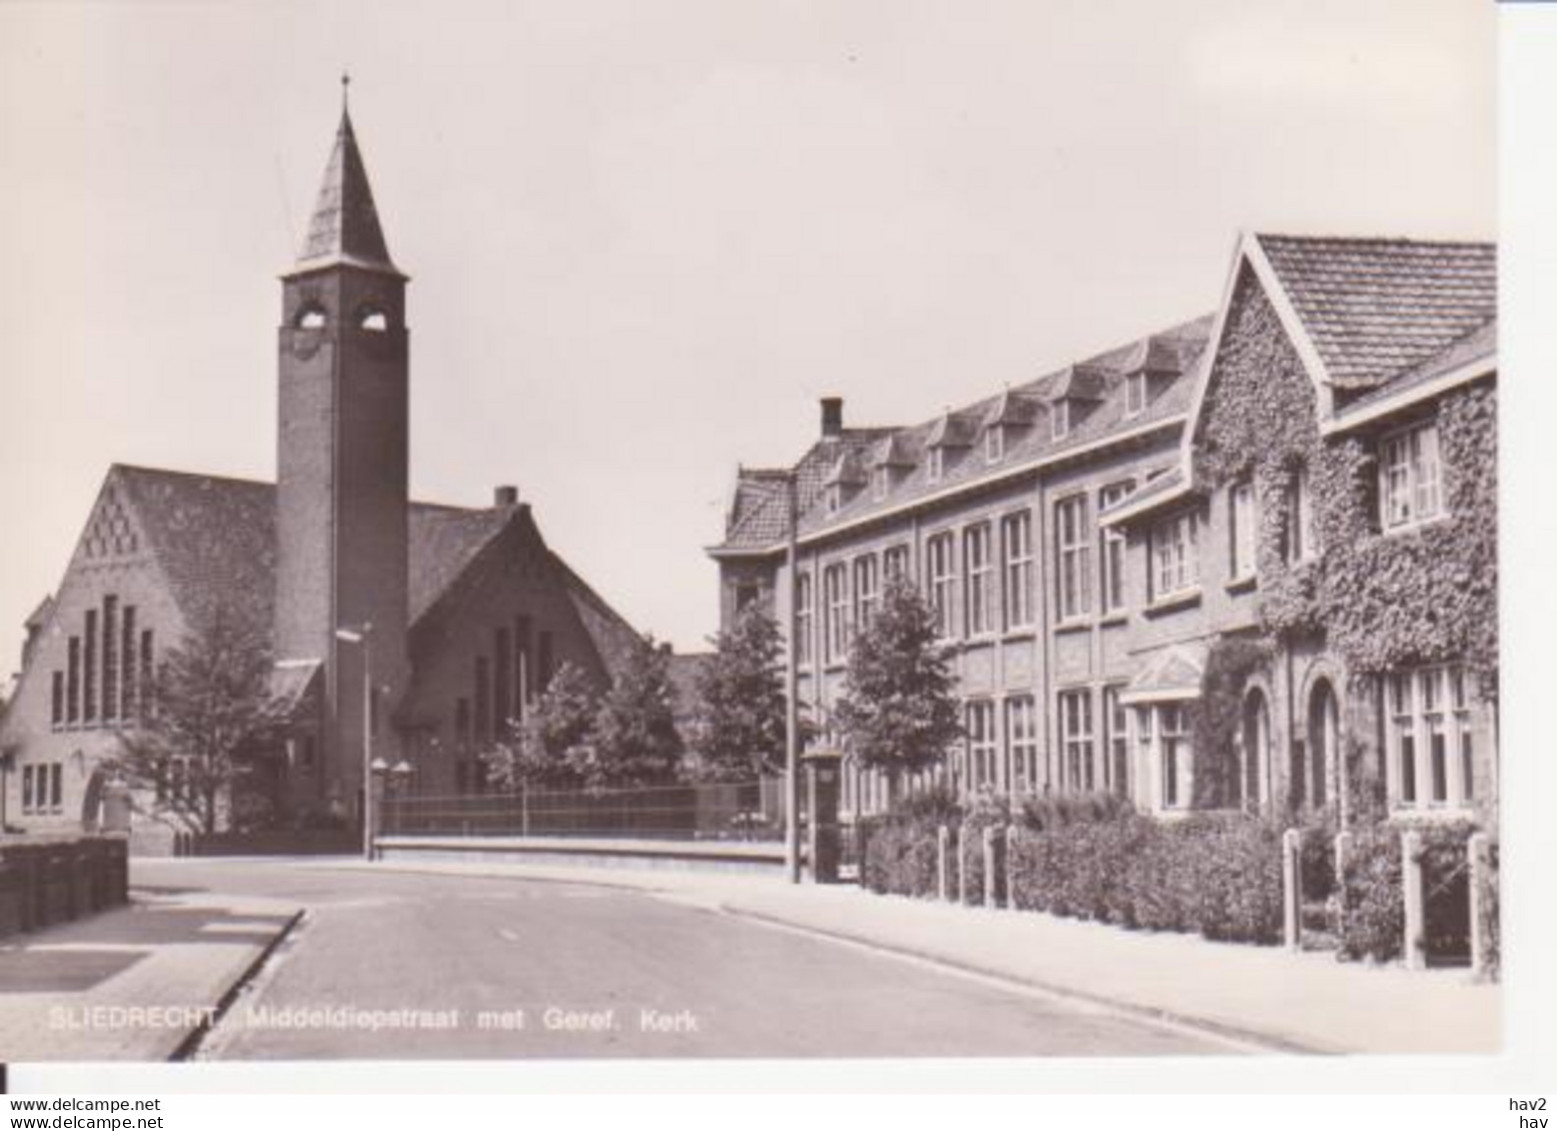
517 969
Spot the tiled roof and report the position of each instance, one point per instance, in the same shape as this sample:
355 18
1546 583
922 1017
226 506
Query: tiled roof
1159 488
216 540
761 516
1479 344
294 684
344 227
1376 308
763 526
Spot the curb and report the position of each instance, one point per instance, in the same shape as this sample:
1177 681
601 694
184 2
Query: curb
191 1042
1265 1041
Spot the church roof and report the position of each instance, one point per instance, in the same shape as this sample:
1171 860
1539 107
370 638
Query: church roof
344 227
215 539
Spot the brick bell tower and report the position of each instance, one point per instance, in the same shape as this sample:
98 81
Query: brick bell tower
342 472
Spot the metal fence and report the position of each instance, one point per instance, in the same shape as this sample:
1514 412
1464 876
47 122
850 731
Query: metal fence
747 811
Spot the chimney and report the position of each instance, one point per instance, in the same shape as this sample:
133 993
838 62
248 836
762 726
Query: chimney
505 496
832 416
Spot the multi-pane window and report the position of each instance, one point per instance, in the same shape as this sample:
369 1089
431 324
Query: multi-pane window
1135 393
1073 549
1116 743
1022 741
1299 530
1016 542
880 482
1173 733
1241 532
43 788
994 443
1076 738
57 699
937 464
942 554
128 675
803 618
834 498
1113 551
983 745
980 577
1431 740
1145 737
110 657
1175 546
89 669
1409 474
894 561
148 688
835 613
867 590
73 681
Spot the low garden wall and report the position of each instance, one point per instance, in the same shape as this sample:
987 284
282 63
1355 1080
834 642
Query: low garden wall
49 880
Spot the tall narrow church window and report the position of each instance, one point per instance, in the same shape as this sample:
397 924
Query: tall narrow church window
148 673
89 669
127 677
110 658
483 700
502 682
521 664
73 686
57 699
545 661
462 723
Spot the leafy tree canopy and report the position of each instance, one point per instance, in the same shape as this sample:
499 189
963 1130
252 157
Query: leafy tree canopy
738 727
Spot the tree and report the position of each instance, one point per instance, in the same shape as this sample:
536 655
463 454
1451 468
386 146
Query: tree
210 719
738 722
550 745
634 741
899 712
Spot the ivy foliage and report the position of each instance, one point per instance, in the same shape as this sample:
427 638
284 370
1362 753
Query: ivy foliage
1218 717
1424 595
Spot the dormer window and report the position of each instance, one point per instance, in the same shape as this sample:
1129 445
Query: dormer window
1059 420
994 444
937 468
834 498
1135 393
880 482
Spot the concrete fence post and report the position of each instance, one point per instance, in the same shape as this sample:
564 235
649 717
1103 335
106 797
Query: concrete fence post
942 865
1343 853
991 870
1414 948
1479 859
1292 889
1006 865
962 863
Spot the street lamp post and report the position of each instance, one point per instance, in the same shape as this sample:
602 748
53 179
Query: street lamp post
792 710
363 635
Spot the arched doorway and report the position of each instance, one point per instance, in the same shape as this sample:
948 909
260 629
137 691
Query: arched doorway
1324 740
1256 746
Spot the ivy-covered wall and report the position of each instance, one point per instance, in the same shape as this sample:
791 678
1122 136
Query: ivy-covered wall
1379 601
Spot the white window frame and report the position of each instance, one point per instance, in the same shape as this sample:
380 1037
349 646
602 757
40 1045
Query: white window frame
1429 737
1174 754
895 561
1243 531
867 590
835 613
1111 552
1175 555
941 574
982 746
1073 707
1302 544
880 482
979 570
994 443
1073 557
1135 393
1022 743
937 465
1116 741
1410 477
834 498
803 618
1016 548
1059 419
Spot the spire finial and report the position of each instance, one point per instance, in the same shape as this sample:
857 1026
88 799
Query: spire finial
345 91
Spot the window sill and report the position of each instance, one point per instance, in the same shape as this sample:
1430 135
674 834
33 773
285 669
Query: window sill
1183 599
1019 635
1414 525
1245 584
1074 624
1120 617
1432 812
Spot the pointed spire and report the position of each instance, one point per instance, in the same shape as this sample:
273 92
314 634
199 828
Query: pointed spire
344 227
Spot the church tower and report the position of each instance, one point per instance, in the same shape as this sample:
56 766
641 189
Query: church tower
342 470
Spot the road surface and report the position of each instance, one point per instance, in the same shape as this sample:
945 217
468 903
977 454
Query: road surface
405 966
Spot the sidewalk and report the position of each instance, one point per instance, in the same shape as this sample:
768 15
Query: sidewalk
1287 1002
135 983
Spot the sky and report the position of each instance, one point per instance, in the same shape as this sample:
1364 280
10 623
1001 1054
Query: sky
644 239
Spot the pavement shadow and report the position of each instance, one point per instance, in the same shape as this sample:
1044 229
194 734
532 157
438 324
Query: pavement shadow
62 971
